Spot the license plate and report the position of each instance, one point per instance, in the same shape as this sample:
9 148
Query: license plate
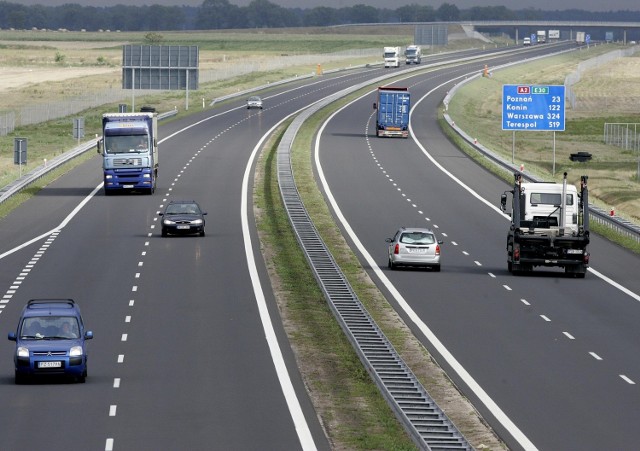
49 364
127 186
182 227
574 251
418 250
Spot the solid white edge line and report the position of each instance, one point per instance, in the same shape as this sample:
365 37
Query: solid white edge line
299 420
501 417
57 229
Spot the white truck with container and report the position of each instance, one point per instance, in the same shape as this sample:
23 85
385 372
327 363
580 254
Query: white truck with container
391 57
129 148
549 226
541 36
413 54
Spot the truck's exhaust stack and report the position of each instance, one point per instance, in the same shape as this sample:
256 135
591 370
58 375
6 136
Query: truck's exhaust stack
563 205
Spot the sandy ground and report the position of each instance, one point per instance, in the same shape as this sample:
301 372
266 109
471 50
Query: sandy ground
15 77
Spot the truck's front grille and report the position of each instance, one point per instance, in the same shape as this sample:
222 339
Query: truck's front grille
127 162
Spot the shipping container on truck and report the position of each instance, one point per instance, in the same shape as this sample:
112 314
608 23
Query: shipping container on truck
392 115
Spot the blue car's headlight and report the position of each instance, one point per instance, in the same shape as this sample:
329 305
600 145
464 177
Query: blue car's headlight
75 351
22 351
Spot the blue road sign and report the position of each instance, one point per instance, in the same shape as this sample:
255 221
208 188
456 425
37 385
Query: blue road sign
533 108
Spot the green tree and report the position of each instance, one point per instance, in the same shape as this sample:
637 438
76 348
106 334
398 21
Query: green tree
364 14
416 13
448 13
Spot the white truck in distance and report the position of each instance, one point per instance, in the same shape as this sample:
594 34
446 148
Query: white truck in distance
391 57
541 36
413 54
554 35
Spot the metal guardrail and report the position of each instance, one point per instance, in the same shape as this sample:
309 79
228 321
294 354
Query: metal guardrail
425 422
42 170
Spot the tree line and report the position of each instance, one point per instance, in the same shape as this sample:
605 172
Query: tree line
221 14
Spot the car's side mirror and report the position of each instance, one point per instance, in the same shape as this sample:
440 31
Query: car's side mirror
440 241
12 336
204 213
389 240
375 106
160 214
99 145
88 335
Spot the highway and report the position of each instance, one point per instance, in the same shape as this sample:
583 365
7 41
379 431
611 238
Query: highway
545 358
188 354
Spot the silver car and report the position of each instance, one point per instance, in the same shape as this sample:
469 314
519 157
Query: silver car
414 247
254 102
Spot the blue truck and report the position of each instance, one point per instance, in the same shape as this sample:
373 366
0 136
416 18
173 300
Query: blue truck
392 115
129 148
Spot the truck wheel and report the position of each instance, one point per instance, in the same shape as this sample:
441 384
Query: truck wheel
576 271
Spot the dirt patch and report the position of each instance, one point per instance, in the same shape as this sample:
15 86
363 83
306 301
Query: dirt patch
17 77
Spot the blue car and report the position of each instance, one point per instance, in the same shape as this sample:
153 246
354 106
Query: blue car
50 340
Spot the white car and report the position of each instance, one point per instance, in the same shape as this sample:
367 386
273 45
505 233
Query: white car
526 41
414 247
254 102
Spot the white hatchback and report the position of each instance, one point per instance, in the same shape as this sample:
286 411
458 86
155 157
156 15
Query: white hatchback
414 247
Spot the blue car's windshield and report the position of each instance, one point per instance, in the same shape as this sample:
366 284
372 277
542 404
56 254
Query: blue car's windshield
50 327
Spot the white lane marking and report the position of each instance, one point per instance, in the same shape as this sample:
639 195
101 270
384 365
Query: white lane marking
116 382
627 380
569 336
507 287
595 356
300 422
544 317
55 230
120 358
112 410
483 396
524 301
108 445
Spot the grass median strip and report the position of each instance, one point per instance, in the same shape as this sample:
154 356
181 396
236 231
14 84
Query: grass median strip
353 411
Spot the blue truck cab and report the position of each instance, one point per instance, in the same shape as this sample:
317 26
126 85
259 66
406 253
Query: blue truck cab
392 115
129 150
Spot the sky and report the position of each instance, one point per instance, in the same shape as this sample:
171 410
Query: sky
550 5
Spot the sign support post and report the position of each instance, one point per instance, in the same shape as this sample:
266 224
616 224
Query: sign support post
533 108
